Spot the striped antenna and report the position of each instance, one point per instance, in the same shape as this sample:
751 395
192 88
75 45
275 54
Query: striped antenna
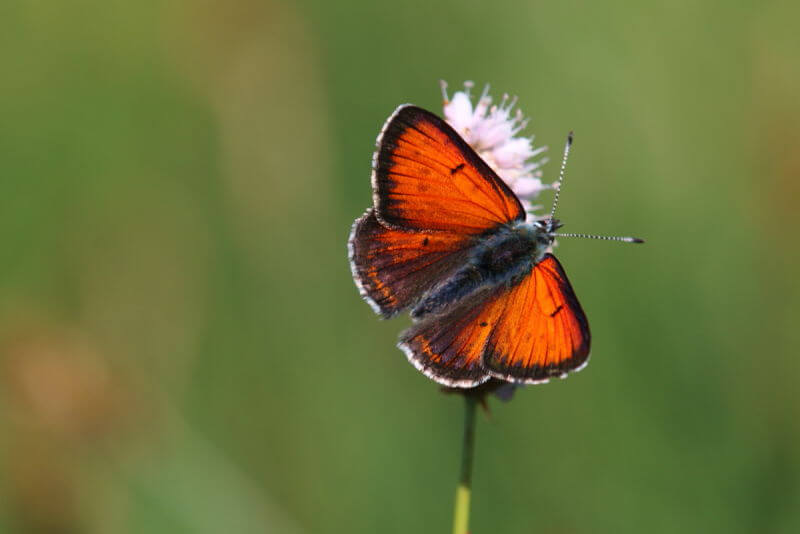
604 237
567 146
560 182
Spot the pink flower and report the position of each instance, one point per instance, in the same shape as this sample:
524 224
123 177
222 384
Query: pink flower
492 131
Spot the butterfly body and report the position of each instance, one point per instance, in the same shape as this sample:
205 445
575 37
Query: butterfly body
448 240
501 258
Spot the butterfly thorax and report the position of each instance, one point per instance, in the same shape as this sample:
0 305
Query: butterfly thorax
500 258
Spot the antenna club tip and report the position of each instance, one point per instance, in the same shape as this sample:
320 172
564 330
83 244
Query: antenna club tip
638 240
570 137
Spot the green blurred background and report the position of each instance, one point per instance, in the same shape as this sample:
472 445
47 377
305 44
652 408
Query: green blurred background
182 348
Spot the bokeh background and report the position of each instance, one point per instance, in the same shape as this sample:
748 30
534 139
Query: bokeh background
182 348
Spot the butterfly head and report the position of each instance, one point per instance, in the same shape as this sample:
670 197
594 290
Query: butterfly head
550 225
545 230
539 235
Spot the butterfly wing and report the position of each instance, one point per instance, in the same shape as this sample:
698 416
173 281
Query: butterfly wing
393 268
525 333
426 177
432 195
542 332
449 348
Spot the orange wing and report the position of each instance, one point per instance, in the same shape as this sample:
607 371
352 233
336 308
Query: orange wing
449 348
393 268
426 177
526 333
543 331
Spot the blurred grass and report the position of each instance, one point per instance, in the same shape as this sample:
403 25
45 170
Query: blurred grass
181 345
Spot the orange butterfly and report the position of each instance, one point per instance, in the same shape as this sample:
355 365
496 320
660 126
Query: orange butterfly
447 239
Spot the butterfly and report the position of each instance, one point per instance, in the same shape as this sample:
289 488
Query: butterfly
449 241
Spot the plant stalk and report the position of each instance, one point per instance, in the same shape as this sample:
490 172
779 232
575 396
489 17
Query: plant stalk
464 489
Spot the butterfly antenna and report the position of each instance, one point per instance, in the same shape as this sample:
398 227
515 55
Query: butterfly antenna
604 237
567 146
623 239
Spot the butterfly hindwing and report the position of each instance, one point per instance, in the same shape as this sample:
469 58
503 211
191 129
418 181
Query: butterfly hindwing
449 348
393 268
426 177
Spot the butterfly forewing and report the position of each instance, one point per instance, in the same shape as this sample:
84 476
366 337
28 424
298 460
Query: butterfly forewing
426 177
543 331
526 332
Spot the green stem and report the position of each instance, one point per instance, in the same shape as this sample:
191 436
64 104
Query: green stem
461 512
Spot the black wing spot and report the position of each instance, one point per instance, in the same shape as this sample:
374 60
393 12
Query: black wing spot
425 242
484 323
555 312
457 168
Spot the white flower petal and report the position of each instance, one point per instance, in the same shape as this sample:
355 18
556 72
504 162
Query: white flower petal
527 186
458 112
513 152
492 132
